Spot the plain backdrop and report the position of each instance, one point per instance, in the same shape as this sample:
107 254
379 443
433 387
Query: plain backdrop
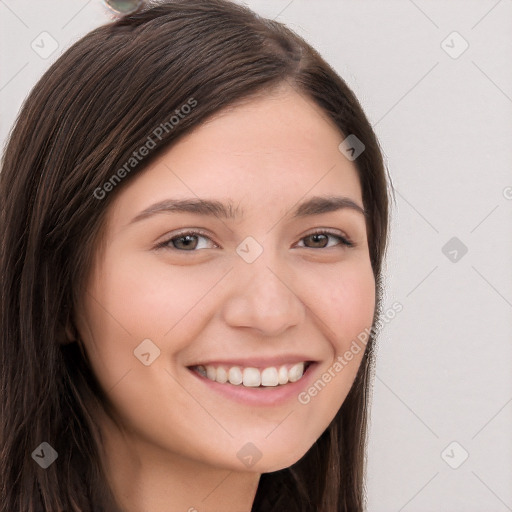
435 79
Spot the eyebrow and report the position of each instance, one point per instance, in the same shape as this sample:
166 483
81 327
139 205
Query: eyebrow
314 206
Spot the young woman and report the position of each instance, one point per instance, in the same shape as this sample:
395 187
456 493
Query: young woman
194 220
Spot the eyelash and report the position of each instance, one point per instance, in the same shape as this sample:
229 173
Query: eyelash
165 244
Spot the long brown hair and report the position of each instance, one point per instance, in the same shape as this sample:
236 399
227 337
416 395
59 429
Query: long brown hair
81 122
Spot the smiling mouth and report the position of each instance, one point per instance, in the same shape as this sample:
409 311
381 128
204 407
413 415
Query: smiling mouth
251 377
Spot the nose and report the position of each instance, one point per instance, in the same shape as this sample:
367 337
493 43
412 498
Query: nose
263 299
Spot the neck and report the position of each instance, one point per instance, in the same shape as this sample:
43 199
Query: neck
144 476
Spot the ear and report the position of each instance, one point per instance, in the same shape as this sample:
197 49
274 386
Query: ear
66 334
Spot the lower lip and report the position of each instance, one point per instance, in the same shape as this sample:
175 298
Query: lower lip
261 396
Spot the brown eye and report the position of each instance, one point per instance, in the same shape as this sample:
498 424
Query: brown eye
185 242
320 240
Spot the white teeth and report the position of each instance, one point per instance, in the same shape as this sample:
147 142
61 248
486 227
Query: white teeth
283 375
296 372
234 375
211 373
252 377
222 375
269 377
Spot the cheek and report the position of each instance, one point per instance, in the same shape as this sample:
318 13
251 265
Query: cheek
169 304
344 303
136 298
350 303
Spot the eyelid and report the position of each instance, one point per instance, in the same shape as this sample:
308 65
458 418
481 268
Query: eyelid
184 232
345 239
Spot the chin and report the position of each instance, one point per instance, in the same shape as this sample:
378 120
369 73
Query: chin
281 461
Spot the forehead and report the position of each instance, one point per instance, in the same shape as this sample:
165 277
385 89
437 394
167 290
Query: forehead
269 152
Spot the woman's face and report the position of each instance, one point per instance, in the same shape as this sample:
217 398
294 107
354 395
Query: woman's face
248 295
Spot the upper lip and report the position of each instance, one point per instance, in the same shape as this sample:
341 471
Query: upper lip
261 362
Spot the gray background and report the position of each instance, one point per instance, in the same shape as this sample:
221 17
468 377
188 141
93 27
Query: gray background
444 121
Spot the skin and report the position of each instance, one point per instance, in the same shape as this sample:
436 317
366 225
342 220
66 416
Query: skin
177 451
